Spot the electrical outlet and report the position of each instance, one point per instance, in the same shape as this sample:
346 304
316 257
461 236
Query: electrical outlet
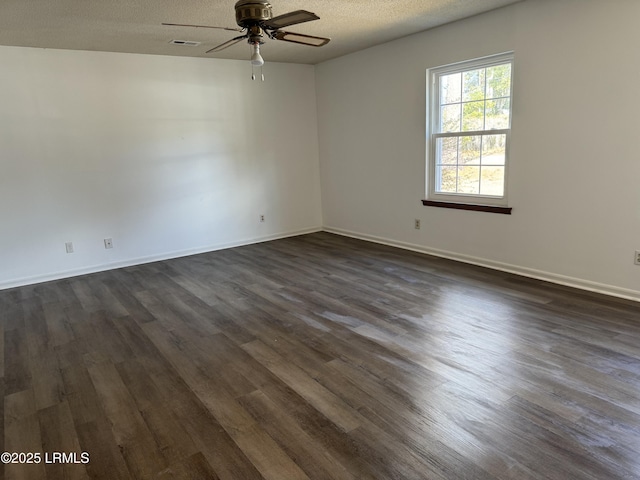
108 243
416 225
69 247
261 218
637 258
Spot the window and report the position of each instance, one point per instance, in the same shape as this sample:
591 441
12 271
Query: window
469 129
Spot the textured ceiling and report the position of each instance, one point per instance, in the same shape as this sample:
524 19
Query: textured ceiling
134 26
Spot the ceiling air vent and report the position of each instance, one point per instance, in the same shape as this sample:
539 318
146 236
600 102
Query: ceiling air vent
186 43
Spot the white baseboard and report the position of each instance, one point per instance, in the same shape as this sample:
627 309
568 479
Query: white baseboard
588 285
505 267
152 258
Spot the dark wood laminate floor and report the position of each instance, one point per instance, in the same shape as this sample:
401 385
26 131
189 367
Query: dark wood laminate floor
319 357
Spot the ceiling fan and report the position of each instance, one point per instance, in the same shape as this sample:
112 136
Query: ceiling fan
254 17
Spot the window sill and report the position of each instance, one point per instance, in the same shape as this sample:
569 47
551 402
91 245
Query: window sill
468 206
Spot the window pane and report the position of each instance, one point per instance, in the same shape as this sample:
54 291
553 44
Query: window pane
470 150
493 149
445 179
447 151
499 81
471 121
497 113
472 116
450 118
450 88
473 85
469 179
492 182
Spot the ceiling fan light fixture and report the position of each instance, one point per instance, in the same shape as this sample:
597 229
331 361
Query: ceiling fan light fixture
256 58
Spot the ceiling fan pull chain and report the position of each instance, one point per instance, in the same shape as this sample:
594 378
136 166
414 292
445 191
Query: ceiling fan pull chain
253 75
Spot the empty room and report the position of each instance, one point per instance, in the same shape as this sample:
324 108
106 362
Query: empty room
305 239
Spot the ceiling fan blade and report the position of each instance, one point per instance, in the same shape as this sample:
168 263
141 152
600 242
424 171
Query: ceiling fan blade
201 26
300 38
226 44
291 18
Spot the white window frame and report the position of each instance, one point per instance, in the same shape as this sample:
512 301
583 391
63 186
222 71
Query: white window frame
433 122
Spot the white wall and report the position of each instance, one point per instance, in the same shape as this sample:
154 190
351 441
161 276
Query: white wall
574 175
165 155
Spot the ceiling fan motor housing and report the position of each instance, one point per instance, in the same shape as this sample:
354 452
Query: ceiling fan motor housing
252 12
